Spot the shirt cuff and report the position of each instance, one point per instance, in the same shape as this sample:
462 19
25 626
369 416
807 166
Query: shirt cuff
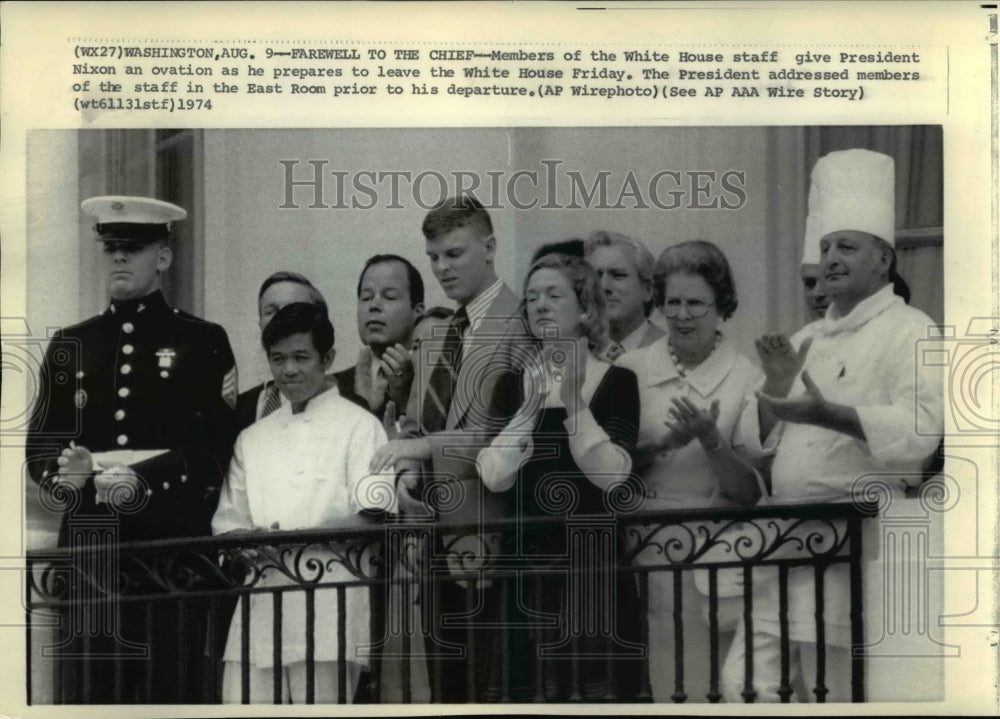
748 432
584 431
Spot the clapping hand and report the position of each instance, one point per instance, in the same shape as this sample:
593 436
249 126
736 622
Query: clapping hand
781 362
574 372
808 408
691 422
397 366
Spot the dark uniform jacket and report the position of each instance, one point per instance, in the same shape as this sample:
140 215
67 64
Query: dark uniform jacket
141 376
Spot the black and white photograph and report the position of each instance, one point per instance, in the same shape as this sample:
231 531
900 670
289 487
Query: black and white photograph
387 359
485 415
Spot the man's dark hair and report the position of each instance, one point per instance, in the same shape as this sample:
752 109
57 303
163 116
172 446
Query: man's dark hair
437 313
456 212
299 317
289 276
413 278
899 285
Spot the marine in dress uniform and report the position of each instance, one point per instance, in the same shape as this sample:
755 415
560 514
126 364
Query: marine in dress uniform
135 420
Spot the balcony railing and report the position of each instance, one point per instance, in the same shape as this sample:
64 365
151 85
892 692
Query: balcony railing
191 588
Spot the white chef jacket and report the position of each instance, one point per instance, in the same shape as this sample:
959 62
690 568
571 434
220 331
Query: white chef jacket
871 359
303 471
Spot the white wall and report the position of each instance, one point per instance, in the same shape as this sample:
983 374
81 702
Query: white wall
248 236
54 237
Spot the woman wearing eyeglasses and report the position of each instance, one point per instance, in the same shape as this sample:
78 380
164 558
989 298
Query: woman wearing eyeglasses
693 385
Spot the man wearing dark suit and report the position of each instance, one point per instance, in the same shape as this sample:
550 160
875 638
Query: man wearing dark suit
390 302
450 416
132 432
279 289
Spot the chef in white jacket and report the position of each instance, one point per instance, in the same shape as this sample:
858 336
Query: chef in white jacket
845 403
303 466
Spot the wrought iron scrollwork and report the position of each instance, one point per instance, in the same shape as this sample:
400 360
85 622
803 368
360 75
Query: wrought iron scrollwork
735 540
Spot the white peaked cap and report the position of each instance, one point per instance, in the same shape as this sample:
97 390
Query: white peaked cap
136 210
853 190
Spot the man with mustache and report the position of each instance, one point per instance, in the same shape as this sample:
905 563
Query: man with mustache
135 419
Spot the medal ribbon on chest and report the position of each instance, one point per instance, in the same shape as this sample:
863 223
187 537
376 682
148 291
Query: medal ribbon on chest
166 358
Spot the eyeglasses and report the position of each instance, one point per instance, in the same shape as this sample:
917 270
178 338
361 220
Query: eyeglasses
695 308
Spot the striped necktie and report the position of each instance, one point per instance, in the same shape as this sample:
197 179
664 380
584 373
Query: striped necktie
272 402
441 385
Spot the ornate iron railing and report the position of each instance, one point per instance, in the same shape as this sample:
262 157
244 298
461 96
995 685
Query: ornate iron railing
396 564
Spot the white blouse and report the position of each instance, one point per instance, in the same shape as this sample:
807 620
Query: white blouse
684 477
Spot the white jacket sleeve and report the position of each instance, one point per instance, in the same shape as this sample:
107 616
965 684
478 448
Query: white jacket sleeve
368 491
909 427
233 511
601 460
499 463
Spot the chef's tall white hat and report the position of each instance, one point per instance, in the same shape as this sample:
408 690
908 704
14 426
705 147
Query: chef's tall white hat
810 240
854 190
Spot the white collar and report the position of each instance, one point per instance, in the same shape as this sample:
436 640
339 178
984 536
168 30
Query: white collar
862 313
634 339
313 406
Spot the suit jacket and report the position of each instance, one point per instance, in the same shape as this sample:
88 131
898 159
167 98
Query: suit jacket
484 400
345 379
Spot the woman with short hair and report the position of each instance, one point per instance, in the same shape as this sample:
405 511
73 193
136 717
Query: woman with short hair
693 385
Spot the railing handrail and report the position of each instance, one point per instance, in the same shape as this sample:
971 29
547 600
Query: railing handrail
360 528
